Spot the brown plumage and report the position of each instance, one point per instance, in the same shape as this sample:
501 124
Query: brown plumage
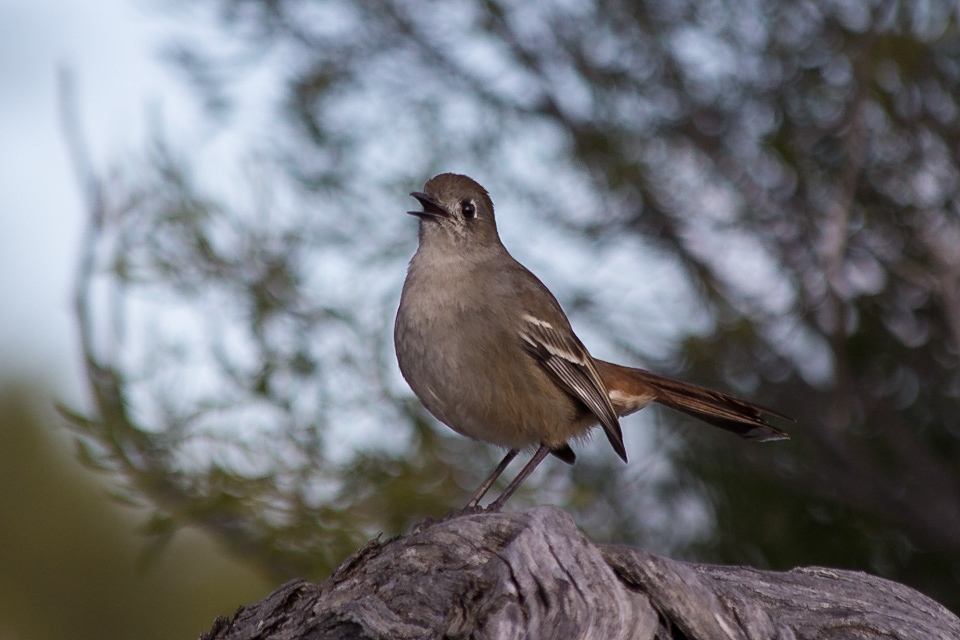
488 350
631 389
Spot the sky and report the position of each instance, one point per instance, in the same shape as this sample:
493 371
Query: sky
112 49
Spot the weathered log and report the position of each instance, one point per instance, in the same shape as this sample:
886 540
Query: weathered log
534 575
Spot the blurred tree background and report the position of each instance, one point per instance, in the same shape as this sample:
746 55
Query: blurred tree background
756 196
72 564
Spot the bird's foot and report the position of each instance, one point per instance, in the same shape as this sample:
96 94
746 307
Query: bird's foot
428 522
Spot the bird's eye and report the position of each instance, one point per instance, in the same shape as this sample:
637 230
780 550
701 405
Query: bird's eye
469 209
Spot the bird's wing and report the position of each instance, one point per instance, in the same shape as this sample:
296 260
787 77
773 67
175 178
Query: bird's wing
561 353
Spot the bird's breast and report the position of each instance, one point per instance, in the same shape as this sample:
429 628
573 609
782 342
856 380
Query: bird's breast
463 358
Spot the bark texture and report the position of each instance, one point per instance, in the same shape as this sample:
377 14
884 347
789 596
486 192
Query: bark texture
534 575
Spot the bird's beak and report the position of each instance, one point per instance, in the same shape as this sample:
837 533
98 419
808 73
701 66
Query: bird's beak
431 208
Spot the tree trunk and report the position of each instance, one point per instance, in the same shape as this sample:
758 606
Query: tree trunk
534 575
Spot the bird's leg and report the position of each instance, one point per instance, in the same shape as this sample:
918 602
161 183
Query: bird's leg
482 491
537 458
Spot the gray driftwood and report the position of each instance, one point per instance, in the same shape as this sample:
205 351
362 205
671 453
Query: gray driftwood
534 575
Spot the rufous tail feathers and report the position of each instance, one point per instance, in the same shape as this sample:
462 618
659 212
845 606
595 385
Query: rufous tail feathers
632 389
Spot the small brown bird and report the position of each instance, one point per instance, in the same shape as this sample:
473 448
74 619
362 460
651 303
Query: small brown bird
488 350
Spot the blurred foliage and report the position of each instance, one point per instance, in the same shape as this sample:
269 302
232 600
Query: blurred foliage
794 162
72 563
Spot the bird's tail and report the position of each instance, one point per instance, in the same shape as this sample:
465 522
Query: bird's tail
632 389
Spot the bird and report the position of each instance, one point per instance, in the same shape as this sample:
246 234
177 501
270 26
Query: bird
489 351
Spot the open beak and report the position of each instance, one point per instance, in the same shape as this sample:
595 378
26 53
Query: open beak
431 208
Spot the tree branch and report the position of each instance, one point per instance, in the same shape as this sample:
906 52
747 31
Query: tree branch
534 574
